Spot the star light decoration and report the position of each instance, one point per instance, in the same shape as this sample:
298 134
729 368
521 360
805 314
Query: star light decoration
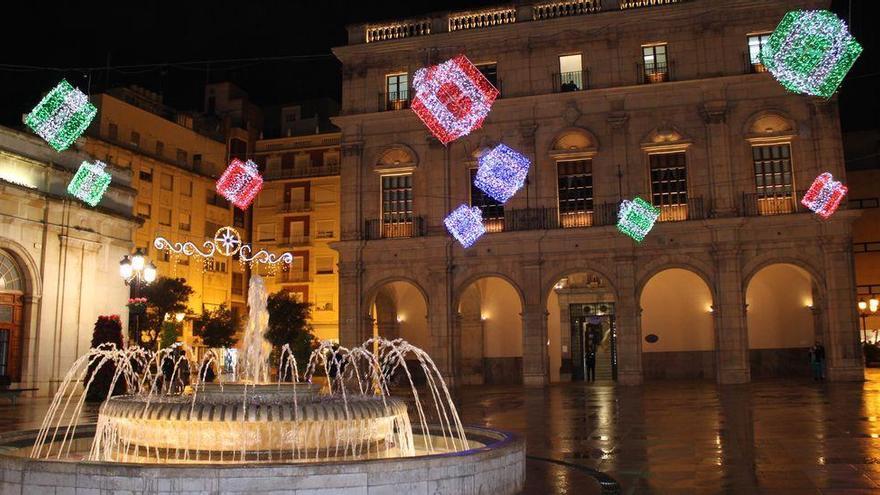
452 98
824 195
226 242
465 223
502 172
636 218
810 52
90 182
240 183
61 116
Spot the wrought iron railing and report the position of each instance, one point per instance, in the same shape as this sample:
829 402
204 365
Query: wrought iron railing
376 229
565 8
759 204
654 72
692 210
571 81
303 171
396 100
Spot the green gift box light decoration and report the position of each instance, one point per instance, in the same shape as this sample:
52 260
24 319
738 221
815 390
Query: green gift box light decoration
61 116
810 52
636 218
90 182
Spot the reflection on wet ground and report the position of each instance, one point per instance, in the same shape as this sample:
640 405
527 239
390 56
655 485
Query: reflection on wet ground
778 436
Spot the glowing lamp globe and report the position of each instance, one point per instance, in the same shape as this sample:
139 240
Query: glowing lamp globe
61 116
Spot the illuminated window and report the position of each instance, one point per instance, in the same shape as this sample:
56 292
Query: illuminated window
493 211
570 73
397 205
655 64
575 183
143 210
669 185
397 91
756 43
185 222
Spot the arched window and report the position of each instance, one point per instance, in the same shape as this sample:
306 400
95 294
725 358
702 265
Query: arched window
10 277
11 289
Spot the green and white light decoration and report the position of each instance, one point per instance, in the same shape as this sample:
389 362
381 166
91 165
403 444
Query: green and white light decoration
636 218
61 116
810 52
90 182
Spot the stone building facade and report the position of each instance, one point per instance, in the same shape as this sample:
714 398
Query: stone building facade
610 100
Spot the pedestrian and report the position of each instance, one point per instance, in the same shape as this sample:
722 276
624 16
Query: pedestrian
817 361
591 363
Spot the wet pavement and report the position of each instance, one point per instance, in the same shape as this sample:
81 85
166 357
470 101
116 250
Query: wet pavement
779 436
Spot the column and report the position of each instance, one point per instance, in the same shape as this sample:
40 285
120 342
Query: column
731 330
351 315
628 325
536 358
441 318
616 121
843 351
721 200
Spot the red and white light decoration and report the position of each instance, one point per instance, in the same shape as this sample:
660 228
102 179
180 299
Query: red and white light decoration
240 183
452 98
824 195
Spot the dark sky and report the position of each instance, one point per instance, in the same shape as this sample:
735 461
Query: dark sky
84 34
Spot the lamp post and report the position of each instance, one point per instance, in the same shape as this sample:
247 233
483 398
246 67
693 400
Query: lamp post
866 309
136 273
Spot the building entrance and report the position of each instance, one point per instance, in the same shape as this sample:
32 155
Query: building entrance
593 339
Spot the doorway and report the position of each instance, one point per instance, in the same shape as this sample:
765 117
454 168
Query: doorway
593 332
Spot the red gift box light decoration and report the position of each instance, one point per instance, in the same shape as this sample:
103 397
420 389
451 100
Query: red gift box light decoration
240 183
452 98
824 195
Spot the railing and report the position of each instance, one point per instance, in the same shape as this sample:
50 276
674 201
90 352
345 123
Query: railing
291 276
654 72
376 229
692 210
866 247
752 67
296 172
633 4
398 30
480 19
393 101
295 207
863 203
546 218
565 8
755 204
295 240
571 81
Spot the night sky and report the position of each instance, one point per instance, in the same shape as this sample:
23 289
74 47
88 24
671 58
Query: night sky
79 34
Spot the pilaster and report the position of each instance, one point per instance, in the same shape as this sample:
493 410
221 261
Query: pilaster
731 331
720 172
536 358
843 351
628 324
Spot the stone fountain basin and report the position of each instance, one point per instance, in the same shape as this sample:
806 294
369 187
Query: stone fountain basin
494 465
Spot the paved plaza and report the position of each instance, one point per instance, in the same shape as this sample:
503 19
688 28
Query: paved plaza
778 436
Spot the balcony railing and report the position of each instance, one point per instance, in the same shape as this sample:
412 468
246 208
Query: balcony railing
756 204
376 229
571 81
632 4
398 30
295 240
650 73
752 66
565 8
393 101
481 19
295 207
292 276
302 171
692 210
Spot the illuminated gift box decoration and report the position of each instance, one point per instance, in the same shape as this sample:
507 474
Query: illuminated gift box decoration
824 195
636 218
502 172
452 98
810 52
240 183
90 182
61 116
465 223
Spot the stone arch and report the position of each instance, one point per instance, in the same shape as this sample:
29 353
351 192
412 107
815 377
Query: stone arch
665 134
376 286
398 308
462 287
769 123
550 282
396 156
30 271
759 262
573 140
700 267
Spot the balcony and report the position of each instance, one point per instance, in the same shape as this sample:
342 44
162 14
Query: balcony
692 210
571 81
302 171
481 19
389 102
295 207
552 10
752 66
376 229
634 4
295 241
293 276
398 30
756 204
655 72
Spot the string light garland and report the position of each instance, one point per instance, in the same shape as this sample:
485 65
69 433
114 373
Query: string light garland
61 116
452 98
824 195
90 182
636 218
240 183
226 242
810 52
465 223
502 172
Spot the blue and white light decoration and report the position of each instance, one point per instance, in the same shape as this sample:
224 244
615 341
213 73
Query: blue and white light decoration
502 172
465 223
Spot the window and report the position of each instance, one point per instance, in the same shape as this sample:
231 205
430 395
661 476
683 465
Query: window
211 228
185 222
166 182
112 131
160 148
214 199
135 138
238 284
575 186
325 229
165 216
143 210
288 160
490 72
238 149
266 232
146 175
493 211
181 156
773 179
183 260
669 185
656 67
570 73
268 197
197 160
397 205
323 301
397 91
297 272
324 264
298 232
303 160
165 255
756 44
237 217
331 159
215 266
186 188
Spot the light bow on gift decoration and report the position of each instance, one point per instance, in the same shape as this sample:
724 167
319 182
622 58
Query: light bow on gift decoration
824 195
61 116
502 172
90 182
810 52
452 98
240 183
636 218
465 224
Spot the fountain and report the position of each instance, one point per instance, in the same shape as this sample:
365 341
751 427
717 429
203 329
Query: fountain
378 414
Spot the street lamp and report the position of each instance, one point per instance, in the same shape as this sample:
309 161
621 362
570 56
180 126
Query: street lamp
866 309
136 272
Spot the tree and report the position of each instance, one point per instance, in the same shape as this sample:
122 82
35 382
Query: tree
165 296
217 328
169 334
108 330
289 324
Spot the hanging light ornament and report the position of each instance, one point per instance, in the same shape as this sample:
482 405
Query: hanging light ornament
90 182
465 224
502 172
452 98
824 195
636 218
226 242
810 52
240 183
61 116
